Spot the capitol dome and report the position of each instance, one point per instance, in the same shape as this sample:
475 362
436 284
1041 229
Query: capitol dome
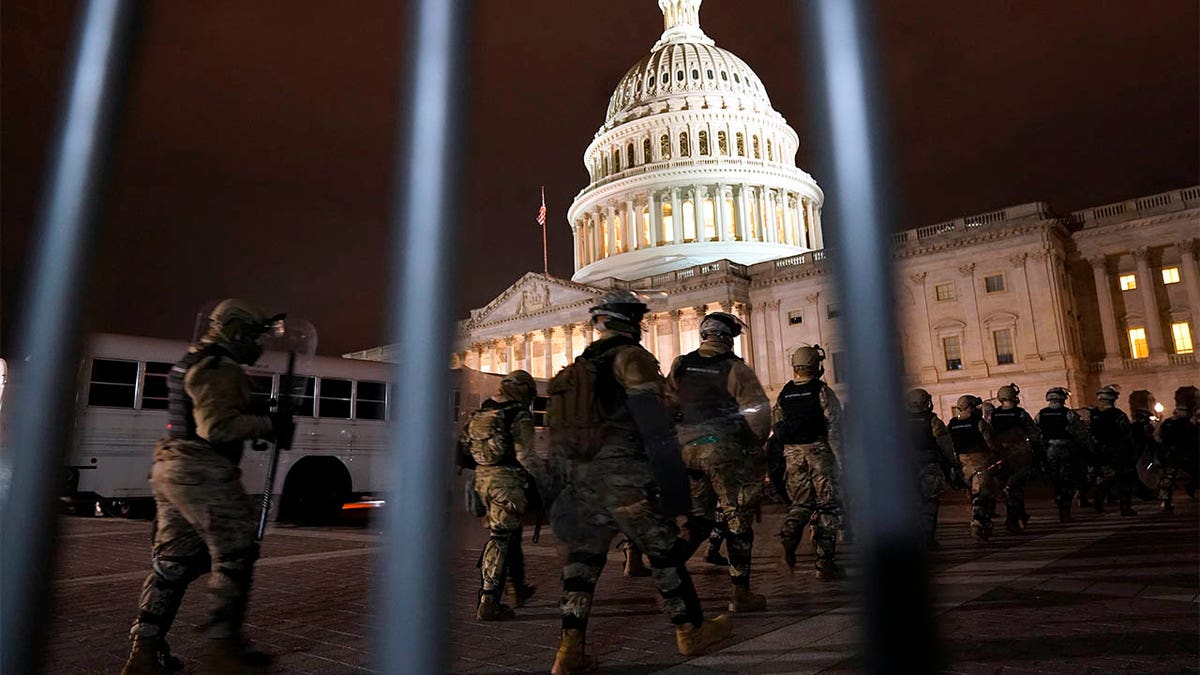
692 165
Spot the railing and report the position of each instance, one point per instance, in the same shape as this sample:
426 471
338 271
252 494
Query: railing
1097 367
1181 359
1135 364
1164 202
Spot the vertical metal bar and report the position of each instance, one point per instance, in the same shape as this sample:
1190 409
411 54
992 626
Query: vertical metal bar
48 339
414 577
898 626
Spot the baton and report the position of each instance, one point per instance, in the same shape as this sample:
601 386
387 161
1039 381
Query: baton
283 411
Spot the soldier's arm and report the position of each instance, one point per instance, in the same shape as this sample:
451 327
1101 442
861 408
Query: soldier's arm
637 372
1031 428
833 417
1078 429
989 438
220 394
752 401
523 443
942 435
671 388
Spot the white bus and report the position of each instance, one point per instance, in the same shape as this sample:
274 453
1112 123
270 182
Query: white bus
121 412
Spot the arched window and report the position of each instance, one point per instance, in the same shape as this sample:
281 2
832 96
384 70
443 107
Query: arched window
629 155
695 73
722 143
685 149
604 225
666 78
668 223
741 144
646 243
605 164
646 159
709 211
616 160
664 147
757 153
770 152
709 73
689 220
618 225
703 142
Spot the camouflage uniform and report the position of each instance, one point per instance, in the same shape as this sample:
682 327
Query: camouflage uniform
1066 451
725 419
938 465
1115 457
1178 440
1018 436
808 421
975 446
1142 426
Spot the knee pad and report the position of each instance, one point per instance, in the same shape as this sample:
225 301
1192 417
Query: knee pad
239 564
178 571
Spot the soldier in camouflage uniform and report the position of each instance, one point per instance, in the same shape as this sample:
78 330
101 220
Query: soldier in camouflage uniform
1178 439
1115 459
1142 423
935 455
808 422
725 416
499 440
1020 444
980 458
205 522
623 485
1067 448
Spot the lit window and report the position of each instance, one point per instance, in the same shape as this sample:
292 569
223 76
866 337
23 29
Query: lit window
944 291
722 143
741 142
1182 334
1128 282
795 317
685 149
993 283
1004 346
952 347
1170 275
704 142
1137 343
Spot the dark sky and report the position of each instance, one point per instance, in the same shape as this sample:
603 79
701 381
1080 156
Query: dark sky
255 154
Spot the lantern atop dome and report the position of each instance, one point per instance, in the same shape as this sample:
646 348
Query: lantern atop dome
681 22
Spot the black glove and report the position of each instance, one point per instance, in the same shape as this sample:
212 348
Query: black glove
284 428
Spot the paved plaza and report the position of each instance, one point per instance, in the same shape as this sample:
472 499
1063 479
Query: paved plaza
1102 594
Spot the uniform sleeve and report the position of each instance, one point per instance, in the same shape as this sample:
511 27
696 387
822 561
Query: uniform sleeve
833 417
1078 429
522 435
989 438
637 372
672 387
942 435
752 401
220 393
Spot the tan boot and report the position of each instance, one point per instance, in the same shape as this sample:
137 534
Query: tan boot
634 567
144 658
227 657
741 600
828 570
491 609
695 640
570 659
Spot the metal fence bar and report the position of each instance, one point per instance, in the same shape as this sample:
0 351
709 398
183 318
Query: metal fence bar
898 627
45 362
414 576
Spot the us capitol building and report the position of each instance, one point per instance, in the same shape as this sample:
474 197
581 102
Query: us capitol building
696 201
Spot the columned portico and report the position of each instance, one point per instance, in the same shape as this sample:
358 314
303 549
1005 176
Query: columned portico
1191 280
1108 316
1145 284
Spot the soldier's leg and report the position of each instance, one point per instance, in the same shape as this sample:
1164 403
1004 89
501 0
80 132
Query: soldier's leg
827 513
1126 477
716 537
1166 489
740 490
798 479
178 557
702 518
979 483
932 486
505 501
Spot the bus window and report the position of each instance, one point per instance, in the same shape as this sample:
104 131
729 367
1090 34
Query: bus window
113 383
370 401
303 404
260 393
154 385
539 410
334 400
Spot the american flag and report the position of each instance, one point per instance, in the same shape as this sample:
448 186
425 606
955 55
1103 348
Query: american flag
541 218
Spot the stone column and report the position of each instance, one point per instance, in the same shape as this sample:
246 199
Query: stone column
1191 281
548 353
742 311
610 214
632 241
510 346
768 202
569 341
1145 283
805 224
655 207
739 213
527 348
597 234
1108 317
698 194
676 342
478 349
676 217
589 333
719 213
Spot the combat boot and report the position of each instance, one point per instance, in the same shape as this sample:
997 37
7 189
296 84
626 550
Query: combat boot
693 640
1165 506
741 600
232 656
491 609
634 566
570 658
150 656
828 570
714 557
787 562
981 531
519 594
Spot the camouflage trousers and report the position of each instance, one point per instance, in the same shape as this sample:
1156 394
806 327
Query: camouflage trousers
1015 472
1063 466
812 484
933 484
503 492
724 477
604 497
1116 471
979 468
205 522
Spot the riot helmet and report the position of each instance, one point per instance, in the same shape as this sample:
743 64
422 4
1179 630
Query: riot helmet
807 360
967 404
1058 394
1187 398
1109 393
918 400
1009 392
619 310
518 386
239 326
1141 399
720 327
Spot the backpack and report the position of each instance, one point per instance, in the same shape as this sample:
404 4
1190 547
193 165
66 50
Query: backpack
488 436
573 409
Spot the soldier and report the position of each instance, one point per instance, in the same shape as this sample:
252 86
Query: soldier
976 449
808 422
1020 445
1178 440
623 474
1113 443
1142 424
1066 448
499 440
205 521
725 418
935 454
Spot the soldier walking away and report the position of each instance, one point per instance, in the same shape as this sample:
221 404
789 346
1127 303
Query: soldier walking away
1067 448
976 449
808 422
498 440
623 472
935 454
1142 424
1115 459
725 416
1178 440
1020 445
205 522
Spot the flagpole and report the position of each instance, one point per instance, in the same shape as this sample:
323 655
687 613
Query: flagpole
545 253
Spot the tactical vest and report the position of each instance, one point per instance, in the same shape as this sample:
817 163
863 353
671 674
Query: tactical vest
803 417
1107 425
610 395
1054 424
489 433
1008 420
1179 435
965 435
920 434
181 424
702 382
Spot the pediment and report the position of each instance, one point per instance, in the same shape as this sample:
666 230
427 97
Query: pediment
531 295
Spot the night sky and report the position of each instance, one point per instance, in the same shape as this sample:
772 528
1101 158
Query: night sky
255 153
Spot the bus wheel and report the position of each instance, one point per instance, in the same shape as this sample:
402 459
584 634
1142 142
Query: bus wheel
116 508
314 491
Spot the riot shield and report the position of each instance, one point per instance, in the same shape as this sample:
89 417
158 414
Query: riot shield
1149 471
